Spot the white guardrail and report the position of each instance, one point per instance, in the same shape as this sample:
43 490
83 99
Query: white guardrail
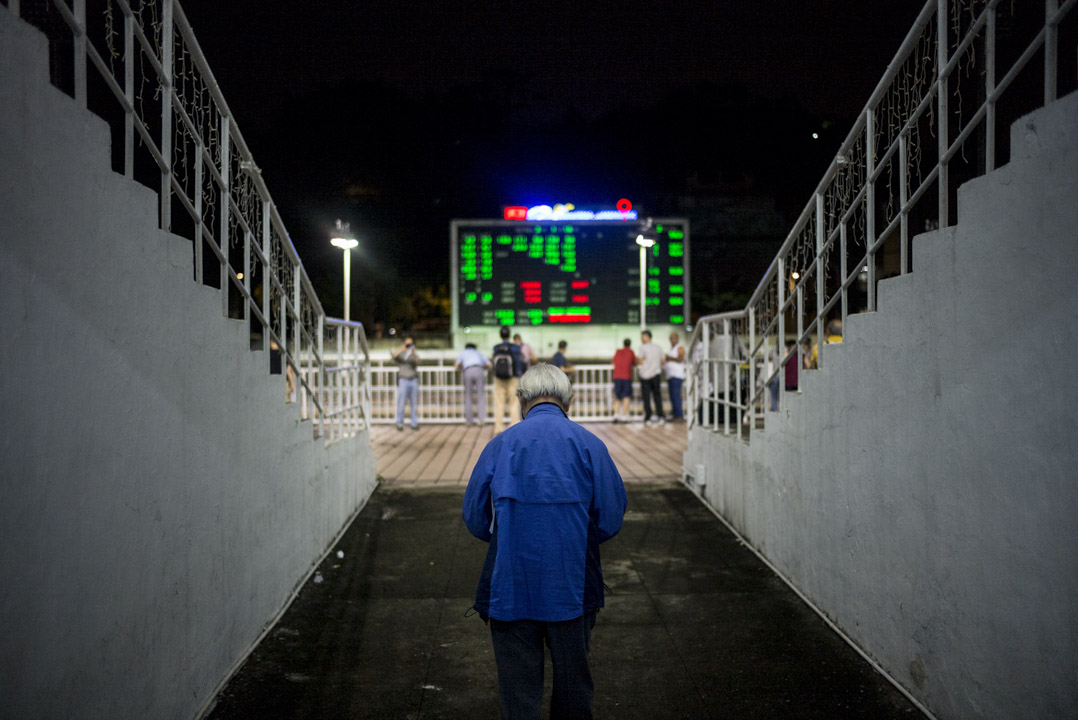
929 126
152 84
441 394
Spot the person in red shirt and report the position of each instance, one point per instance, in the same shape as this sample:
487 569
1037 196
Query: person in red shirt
624 360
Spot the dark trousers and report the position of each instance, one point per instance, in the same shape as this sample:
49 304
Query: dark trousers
519 654
652 387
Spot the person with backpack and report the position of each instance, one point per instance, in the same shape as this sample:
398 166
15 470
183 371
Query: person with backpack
508 367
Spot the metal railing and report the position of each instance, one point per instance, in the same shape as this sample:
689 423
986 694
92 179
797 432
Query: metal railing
963 69
137 64
441 394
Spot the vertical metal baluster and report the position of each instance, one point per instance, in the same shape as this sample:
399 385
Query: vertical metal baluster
819 270
199 149
321 373
870 209
780 338
989 89
843 272
79 12
166 113
904 215
800 334
247 275
942 98
129 92
225 160
267 269
703 397
752 363
1051 51
727 347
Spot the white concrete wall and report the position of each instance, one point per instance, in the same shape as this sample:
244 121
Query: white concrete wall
158 499
923 490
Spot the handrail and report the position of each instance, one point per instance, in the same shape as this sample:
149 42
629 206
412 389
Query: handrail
913 136
175 118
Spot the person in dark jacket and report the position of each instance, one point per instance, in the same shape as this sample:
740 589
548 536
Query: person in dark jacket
545 493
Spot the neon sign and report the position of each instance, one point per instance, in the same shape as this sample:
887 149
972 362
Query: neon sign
568 211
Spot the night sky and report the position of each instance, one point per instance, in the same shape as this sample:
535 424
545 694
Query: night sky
398 117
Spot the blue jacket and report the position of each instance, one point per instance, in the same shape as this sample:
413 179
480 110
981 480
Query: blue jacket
544 494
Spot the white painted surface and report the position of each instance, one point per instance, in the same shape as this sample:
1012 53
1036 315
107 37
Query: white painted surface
160 501
923 490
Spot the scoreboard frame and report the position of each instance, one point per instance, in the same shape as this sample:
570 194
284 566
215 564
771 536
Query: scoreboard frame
631 227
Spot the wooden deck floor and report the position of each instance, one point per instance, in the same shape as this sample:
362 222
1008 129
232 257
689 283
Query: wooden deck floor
444 455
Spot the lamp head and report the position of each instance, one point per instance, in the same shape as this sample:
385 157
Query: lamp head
344 243
644 242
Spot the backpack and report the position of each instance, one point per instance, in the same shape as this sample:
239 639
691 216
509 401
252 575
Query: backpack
503 361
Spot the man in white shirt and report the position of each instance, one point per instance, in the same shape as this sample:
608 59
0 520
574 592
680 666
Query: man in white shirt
650 359
674 367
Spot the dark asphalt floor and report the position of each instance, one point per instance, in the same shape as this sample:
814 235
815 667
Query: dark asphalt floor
696 627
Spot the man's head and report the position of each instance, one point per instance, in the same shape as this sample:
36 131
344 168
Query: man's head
544 383
504 332
626 342
517 339
469 346
562 345
674 337
645 336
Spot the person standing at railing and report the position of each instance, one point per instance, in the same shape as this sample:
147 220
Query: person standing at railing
624 360
527 355
407 382
473 366
560 361
507 371
650 360
674 367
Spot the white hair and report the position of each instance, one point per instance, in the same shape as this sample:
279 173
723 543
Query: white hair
545 380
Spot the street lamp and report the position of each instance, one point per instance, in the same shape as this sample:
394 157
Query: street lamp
346 242
644 243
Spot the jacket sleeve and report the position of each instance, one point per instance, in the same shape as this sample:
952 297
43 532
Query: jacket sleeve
608 500
478 512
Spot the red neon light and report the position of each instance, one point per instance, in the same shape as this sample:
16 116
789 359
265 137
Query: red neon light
580 298
624 205
516 212
559 318
531 285
580 284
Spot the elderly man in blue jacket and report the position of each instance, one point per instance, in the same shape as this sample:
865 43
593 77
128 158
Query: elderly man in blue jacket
544 494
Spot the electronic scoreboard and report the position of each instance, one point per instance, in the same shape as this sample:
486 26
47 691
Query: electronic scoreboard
568 272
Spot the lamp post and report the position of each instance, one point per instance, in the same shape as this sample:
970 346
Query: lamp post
346 242
644 243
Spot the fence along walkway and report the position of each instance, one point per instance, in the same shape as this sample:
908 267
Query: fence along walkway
444 455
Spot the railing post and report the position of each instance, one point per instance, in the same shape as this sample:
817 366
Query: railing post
843 271
800 334
198 212
267 270
226 210
989 90
703 393
321 372
780 339
79 12
726 347
752 364
1051 51
942 99
166 114
13 6
129 93
903 196
820 271
870 208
